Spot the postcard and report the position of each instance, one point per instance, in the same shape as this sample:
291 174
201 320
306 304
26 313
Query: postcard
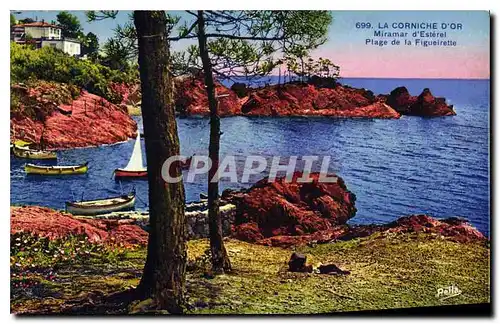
249 162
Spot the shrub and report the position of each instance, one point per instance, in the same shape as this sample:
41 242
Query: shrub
51 64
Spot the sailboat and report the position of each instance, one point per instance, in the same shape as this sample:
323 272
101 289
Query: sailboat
135 168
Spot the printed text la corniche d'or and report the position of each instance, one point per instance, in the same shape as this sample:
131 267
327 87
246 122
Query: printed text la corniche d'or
422 34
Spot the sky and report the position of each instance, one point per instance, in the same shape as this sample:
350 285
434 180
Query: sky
346 45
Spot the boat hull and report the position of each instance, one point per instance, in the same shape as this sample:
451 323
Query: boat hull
25 153
126 174
55 170
86 209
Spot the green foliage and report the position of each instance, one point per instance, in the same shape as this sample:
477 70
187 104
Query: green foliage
93 15
26 21
241 42
70 25
252 42
36 98
304 66
182 62
15 102
51 64
115 55
13 20
306 28
91 46
30 251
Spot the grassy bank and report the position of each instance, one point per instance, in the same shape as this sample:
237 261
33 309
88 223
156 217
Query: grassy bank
386 272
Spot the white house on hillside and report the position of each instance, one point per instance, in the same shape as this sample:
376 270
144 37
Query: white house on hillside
44 34
67 45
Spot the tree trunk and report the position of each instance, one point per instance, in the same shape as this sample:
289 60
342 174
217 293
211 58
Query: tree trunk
302 68
220 259
279 77
164 273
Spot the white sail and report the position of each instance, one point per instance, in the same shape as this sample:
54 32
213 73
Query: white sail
135 162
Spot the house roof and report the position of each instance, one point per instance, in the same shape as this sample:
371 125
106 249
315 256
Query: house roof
38 24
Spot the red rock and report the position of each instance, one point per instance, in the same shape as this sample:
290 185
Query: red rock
287 214
297 99
318 98
191 98
280 208
128 93
241 89
89 120
286 241
54 224
293 99
453 229
247 232
424 105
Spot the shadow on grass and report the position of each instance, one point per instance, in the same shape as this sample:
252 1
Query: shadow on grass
126 302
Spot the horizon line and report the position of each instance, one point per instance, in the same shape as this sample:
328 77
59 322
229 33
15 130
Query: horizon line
398 78
416 78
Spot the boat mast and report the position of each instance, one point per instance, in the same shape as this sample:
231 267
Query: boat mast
135 163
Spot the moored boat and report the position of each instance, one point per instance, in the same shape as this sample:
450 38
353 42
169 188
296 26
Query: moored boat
135 167
21 143
56 169
121 173
26 153
101 206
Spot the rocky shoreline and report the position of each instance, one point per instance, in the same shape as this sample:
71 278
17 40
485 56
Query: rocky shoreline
318 97
68 119
280 214
292 214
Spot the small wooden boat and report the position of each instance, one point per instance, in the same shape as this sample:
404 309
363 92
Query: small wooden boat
101 206
27 153
135 167
56 169
121 174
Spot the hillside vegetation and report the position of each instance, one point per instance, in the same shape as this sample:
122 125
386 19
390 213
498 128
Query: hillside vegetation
29 65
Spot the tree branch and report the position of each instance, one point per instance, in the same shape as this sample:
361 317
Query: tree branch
186 36
255 38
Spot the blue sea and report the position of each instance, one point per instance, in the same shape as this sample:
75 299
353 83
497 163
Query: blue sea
437 166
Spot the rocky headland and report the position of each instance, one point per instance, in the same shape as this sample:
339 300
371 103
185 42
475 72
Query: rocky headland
423 105
70 117
66 116
318 97
290 214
